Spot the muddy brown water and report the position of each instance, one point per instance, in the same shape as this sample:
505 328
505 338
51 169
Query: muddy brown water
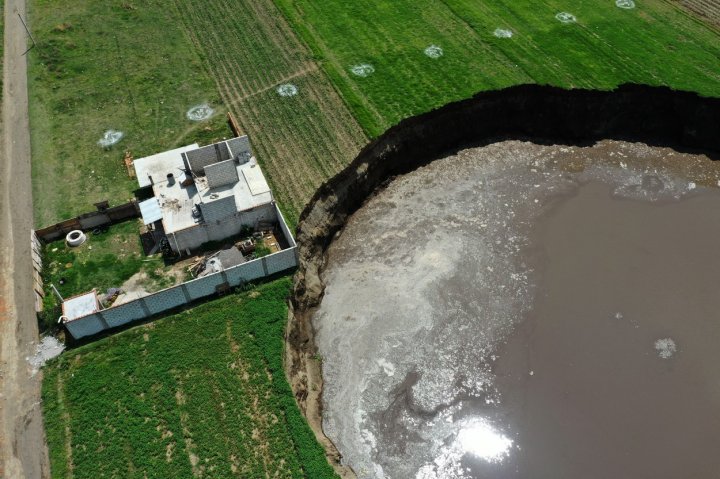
526 311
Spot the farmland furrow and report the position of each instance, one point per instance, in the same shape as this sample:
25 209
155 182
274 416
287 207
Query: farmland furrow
298 140
304 71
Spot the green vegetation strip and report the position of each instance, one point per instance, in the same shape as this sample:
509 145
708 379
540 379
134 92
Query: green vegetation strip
200 393
654 43
101 65
250 51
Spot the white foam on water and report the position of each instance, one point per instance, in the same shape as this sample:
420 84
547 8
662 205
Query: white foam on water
434 51
110 137
665 347
200 112
387 367
48 348
362 70
287 89
503 33
626 4
565 17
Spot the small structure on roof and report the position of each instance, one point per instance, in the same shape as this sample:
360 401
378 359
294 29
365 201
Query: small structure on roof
203 194
80 305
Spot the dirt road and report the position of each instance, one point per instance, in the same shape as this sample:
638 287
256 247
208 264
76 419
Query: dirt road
23 452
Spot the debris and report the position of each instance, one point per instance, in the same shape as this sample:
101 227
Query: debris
48 348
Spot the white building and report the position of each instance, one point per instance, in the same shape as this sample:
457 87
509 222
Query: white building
205 194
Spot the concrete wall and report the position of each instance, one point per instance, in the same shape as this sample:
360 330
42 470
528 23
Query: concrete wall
239 145
193 237
218 210
202 157
88 221
221 173
180 295
189 291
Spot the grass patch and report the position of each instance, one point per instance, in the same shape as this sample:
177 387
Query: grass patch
655 43
199 393
250 50
99 65
105 260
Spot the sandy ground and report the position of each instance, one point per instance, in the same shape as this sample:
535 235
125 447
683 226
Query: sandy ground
23 451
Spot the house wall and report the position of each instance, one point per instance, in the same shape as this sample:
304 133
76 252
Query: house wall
195 236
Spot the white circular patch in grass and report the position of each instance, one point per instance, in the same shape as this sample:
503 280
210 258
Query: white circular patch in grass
287 89
626 4
200 112
434 51
110 138
362 70
565 17
503 33
665 347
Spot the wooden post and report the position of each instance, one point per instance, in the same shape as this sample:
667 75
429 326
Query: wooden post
234 125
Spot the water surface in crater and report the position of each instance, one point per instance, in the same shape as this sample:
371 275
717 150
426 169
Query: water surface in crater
520 310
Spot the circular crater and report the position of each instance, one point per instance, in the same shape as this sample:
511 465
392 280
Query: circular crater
496 291
469 324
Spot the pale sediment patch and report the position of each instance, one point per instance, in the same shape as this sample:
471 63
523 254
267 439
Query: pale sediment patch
287 89
200 112
503 33
625 4
665 348
362 70
48 347
110 138
565 17
434 51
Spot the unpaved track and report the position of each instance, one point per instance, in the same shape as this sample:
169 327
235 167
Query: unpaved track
23 452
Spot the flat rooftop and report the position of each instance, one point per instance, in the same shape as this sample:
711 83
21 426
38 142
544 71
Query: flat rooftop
159 165
177 201
79 306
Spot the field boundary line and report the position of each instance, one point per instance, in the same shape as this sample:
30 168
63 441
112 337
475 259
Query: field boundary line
693 16
310 68
325 52
493 51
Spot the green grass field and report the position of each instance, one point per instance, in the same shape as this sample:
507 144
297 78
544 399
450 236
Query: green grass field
199 394
103 65
655 43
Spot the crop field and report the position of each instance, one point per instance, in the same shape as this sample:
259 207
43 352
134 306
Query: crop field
199 394
300 139
655 43
202 393
133 72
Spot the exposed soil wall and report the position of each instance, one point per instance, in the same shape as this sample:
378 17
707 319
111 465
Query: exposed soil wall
653 115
